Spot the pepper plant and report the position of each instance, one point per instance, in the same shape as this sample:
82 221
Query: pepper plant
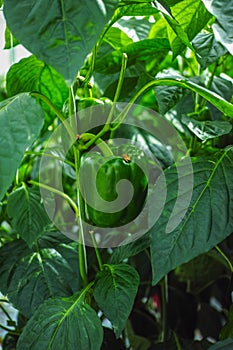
168 65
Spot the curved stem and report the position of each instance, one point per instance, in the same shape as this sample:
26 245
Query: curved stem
40 154
106 127
106 150
6 313
225 257
119 87
54 190
56 111
215 99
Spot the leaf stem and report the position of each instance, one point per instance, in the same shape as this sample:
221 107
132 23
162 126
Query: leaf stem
164 295
96 250
105 149
218 101
54 190
40 154
225 257
11 331
6 313
58 113
81 246
117 94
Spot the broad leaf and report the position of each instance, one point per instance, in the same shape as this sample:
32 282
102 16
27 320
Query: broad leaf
60 34
135 9
31 74
117 38
206 130
226 344
208 48
222 10
140 50
191 17
215 99
131 249
168 98
115 291
29 218
38 273
21 120
208 220
63 323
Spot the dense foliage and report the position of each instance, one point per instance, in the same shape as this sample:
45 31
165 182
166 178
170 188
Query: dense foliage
170 288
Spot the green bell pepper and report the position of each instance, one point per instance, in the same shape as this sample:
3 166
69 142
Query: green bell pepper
99 179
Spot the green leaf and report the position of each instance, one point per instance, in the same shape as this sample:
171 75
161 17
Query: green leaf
21 120
215 99
125 251
206 130
208 48
117 38
227 331
29 218
63 323
168 98
38 273
222 10
31 74
190 18
135 9
140 50
222 345
115 291
10 40
57 33
208 220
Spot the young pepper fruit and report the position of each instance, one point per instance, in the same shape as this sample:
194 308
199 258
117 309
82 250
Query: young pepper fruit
99 181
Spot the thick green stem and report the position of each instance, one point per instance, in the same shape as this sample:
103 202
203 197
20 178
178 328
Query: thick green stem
219 102
106 127
88 137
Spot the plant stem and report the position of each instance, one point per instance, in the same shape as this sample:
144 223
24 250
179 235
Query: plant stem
119 87
225 257
40 154
117 94
164 295
6 313
81 247
96 250
105 149
177 341
54 190
9 330
218 101
56 111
